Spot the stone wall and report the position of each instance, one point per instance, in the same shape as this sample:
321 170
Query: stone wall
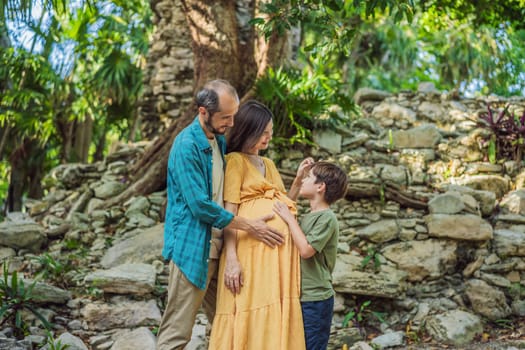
432 235
442 227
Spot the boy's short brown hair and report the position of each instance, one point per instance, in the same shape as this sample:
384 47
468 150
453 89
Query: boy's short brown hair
334 178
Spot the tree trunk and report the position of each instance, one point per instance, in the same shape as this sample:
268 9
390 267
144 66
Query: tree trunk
5 42
83 134
149 173
214 40
65 129
26 164
16 187
34 178
222 48
100 145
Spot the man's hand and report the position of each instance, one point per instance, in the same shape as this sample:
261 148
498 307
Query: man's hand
283 211
264 233
233 278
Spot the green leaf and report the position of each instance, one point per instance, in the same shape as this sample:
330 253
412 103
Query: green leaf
42 319
257 21
348 317
492 151
334 5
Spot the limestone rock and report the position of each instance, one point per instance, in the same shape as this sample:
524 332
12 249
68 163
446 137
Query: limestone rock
455 327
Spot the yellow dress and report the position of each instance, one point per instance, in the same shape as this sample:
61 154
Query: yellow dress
266 315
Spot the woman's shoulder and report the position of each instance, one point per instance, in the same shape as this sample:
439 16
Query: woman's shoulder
269 163
235 158
234 155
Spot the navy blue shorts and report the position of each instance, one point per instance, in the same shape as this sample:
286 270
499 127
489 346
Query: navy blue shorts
317 319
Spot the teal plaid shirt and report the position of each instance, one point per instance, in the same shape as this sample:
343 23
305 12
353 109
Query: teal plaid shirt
191 211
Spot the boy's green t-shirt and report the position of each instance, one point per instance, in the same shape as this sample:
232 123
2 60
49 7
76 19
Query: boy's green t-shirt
322 230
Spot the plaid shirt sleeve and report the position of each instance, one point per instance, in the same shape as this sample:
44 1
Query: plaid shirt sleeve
193 172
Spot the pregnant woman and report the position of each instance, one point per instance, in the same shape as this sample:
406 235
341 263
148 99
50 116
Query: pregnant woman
258 298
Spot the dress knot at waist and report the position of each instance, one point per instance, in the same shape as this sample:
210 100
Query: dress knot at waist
271 194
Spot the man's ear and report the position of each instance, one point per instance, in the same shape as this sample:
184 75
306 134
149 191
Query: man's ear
202 111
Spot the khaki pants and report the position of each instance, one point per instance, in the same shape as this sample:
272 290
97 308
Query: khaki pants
184 301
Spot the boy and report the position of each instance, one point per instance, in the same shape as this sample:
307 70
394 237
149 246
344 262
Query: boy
316 239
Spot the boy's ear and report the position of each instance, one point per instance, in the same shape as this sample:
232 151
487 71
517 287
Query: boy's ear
321 187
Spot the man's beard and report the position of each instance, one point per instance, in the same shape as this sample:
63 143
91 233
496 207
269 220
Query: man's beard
210 128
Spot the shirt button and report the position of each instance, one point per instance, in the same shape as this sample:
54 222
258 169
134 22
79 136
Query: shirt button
207 260
210 241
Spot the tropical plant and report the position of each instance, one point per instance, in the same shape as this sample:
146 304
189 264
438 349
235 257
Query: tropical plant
393 45
16 297
53 344
112 41
303 101
507 134
56 269
372 255
358 315
70 87
25 139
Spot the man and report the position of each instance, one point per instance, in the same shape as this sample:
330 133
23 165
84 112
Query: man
195 206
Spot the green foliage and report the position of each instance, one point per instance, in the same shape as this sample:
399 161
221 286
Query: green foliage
359 314
491 150
516 291
467 54
33 79
72 244
505 323
439 48
371 255
95 292
391 144
112 41
393 45
16 297
53 344
334 19
4 183
44 100
302 101
483 11
56 270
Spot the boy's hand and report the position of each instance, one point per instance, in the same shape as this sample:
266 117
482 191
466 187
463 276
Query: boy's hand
283 211
233 276
300 170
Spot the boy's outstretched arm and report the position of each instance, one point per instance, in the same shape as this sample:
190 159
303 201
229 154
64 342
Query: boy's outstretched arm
305 249
293 193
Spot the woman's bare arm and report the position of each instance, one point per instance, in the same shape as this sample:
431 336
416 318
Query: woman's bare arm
233 278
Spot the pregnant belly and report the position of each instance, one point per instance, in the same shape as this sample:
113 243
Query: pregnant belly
255 209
